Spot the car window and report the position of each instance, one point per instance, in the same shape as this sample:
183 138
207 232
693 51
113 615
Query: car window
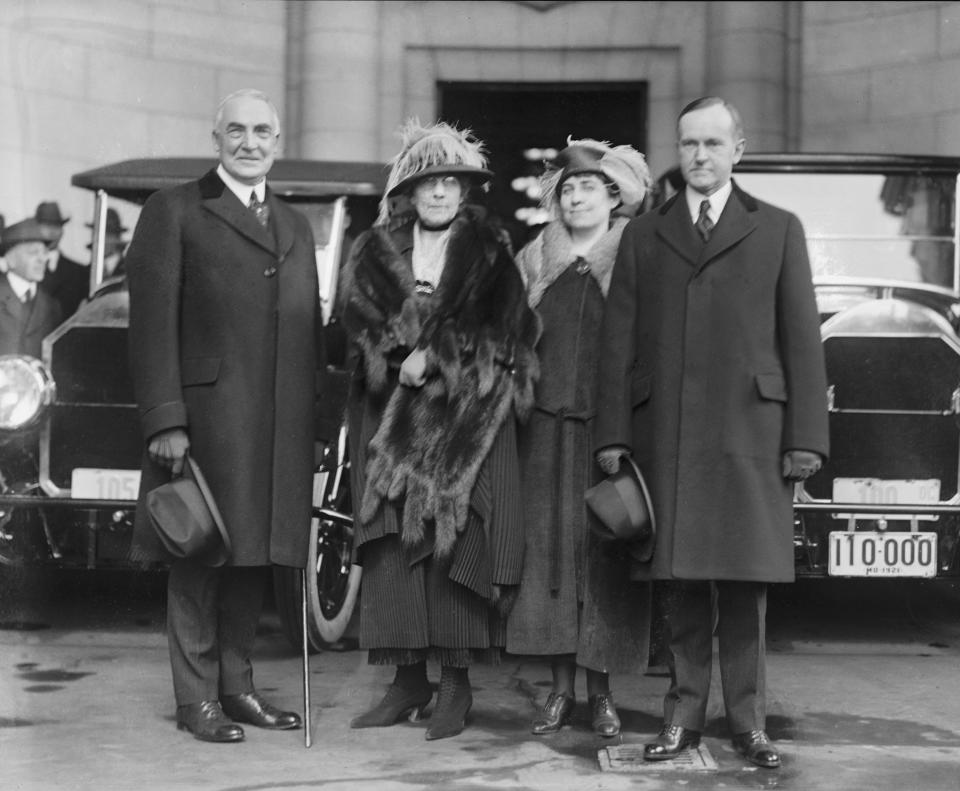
870 227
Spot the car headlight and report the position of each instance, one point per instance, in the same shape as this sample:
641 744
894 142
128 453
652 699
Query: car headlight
26 390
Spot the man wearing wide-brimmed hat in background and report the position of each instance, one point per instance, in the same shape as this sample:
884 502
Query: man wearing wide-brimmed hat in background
67 281
27 314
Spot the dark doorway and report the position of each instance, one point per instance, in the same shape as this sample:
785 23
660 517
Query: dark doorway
513 118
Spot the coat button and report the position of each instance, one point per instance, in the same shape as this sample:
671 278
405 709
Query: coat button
270 271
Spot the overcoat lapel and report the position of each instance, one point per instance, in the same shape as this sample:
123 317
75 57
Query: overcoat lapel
734 224
222 202
9 302
283 224
677 230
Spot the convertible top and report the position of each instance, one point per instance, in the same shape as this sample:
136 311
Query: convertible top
135 180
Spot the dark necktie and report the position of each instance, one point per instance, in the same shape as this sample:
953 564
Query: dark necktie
704 224
260 210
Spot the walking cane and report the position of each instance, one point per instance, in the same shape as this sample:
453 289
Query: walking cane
307 739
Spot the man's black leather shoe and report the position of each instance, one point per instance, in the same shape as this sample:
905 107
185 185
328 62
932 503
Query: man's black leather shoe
670 742
251 708
207 722
755 746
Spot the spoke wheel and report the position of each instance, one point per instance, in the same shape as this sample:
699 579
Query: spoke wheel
333 580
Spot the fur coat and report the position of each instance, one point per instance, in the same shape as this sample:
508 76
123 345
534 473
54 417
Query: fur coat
479 336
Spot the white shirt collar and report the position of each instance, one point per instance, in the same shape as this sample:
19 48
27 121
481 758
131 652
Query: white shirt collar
717 201
241 190
21 286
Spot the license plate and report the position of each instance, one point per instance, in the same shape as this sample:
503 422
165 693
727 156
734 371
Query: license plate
872 554
878 491
88 483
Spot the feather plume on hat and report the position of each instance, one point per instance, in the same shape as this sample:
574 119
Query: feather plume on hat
622 166
430 150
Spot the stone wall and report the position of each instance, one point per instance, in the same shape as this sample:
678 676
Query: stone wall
881 77
88 82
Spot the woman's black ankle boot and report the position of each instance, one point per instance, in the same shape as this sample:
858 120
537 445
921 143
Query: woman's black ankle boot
453 704
407 696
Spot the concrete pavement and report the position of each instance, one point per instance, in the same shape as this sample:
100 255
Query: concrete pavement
855 703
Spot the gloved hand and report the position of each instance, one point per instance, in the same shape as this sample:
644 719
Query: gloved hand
169 449
609 458
413 370
798 465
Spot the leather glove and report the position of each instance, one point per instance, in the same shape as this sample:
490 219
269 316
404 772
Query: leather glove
609 458
169 449
798 465
413 370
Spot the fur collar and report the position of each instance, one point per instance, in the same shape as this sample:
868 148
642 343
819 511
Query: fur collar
479 336
545 261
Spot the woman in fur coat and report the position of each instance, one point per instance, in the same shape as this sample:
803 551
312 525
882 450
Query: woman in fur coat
577 603
437 314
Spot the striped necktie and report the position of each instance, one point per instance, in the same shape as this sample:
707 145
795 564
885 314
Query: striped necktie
704 224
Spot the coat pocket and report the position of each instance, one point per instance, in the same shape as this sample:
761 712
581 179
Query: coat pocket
199 371
772 387
640 386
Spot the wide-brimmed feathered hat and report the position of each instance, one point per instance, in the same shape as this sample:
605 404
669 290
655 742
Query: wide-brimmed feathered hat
435 150
622 166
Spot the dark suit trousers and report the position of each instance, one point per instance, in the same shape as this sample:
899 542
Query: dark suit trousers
741 633
212 616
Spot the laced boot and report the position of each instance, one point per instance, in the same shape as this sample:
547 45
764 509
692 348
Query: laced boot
407 696
453 703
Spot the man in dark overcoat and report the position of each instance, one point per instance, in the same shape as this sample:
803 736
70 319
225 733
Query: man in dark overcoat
713 378
223 305
27 313
66 280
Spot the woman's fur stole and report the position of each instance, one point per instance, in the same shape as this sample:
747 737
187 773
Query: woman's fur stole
479 336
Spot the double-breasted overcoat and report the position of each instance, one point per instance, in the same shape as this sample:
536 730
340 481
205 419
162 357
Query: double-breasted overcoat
712 367
223 316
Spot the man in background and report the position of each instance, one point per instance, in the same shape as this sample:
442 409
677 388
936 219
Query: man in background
67 281
27 314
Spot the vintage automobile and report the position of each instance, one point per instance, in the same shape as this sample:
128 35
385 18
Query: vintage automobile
70 443
882 237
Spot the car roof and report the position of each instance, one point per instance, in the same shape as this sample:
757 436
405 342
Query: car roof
136 179
847 163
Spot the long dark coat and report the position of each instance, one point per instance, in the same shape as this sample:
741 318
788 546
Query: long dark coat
576 596
712 367
437 465
222 343
69 284
22 327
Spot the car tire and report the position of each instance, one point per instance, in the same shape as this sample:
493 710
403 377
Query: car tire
333 579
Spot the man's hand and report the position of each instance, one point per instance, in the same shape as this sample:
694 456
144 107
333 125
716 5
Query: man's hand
413 370
169 449
798 465
609 458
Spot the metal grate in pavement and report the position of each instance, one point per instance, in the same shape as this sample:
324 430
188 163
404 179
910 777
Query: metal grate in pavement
629 758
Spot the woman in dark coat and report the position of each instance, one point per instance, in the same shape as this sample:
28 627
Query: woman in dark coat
436 311
577 603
